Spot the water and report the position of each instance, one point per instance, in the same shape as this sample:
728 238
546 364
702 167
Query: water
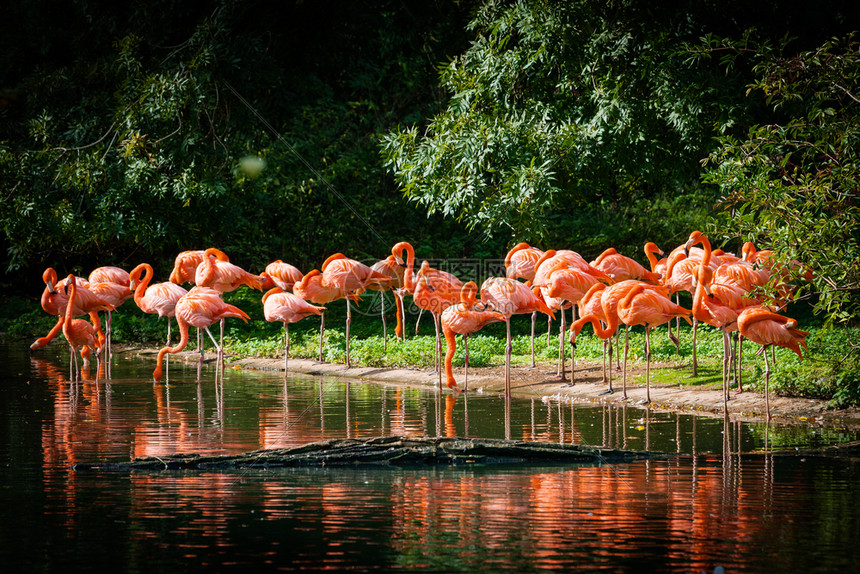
736 496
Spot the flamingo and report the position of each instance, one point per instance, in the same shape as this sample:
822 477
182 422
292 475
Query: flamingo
158 298
520 263
348 276
767 328
390 267
112 283
279 305
610 300
201 307
648 307
620 267
710 309
592 304
510 297
465 319
54 302
218 273
311 288
78 332
186 263
432 290
280 274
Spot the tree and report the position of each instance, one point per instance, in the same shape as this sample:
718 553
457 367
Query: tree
575 121
792 183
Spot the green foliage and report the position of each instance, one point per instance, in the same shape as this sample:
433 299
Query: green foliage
564 117
791 184
830 368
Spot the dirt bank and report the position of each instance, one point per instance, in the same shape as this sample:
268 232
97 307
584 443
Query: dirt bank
588 388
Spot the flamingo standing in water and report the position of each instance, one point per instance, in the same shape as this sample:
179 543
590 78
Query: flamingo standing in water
767 328
432 290
78 332
464 319
279 305
157 298
510 297
112 283
54 301
347 277
218 273
521 263
201 307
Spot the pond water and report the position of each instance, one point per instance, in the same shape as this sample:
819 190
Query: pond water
736 495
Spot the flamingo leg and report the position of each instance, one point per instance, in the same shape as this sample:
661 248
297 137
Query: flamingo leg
322 328
548 331
695 341
286 346
437 359
648 363
466 362
348 322
626 350
740 355
384 329
534 318
508 348
766 385
561 356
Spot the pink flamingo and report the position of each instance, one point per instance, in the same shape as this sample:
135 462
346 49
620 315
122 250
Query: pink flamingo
218 273
54 302
464 319
280 274
767 328
311 288
279 305
510 297
155 299
648 307
78 332
201 307
112 284
520 263
185 265
620 267
349 277
390 267
432 290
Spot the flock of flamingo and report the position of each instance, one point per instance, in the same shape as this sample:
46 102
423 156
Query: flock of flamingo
610 291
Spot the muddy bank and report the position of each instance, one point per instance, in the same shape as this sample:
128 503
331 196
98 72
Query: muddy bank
588 388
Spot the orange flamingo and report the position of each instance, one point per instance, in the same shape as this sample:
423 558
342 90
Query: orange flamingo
185 265
347 277
311 288
620 267
217 272
592 304
767 328
390 267
648 307
510 297
112 284
201 307
709 309
432 290
280 274
279 305
54 302
610 300
520 263
78 332
464 319
156 299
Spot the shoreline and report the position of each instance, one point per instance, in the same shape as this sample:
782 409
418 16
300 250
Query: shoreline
588 389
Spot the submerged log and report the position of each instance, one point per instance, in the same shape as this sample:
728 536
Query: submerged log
386 451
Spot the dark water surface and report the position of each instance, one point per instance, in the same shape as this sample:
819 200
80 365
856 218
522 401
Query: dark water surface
737 495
